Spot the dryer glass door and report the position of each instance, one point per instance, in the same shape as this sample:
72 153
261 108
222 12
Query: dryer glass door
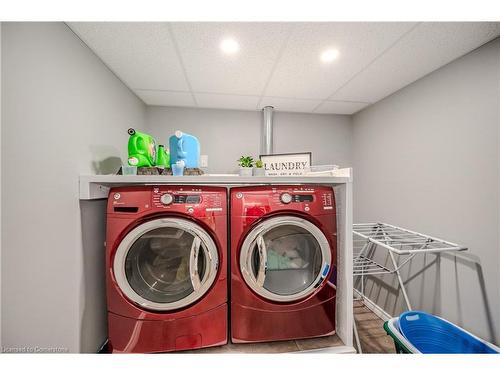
166 264
285 258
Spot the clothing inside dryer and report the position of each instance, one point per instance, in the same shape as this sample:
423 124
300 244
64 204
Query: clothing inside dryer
157 265
293 259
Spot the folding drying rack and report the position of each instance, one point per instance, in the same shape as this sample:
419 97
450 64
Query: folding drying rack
397 241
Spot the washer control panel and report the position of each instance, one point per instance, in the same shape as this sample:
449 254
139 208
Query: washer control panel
286 198
166 199
169 198
190 200
196 201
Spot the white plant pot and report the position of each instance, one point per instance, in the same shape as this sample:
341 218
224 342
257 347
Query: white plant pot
246 171
259 172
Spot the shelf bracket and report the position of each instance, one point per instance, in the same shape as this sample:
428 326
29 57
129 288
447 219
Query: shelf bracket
93 190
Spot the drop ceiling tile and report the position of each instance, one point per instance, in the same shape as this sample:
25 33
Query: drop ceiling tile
425 49
290 104
142 54
245 102
301 74
246 72
166 98
340 107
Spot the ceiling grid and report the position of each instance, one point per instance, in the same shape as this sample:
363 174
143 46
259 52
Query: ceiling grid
182 63
277 63
280 54
366 67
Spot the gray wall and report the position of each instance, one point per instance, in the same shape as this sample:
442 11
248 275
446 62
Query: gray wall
226 135
0 186
64 113
428 158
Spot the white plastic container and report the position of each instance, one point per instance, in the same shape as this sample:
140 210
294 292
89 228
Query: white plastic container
324 168
129 170
246 171
259 171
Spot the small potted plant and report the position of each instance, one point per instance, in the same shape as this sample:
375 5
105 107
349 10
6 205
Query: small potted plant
259 168
246 165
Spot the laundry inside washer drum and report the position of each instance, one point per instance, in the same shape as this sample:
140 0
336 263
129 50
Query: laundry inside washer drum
157 265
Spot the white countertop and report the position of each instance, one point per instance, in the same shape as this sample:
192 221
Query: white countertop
97 186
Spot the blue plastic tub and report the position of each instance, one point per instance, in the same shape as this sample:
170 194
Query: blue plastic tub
433 335
401 344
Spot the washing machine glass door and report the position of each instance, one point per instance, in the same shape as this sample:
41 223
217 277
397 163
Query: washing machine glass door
285 258
166 264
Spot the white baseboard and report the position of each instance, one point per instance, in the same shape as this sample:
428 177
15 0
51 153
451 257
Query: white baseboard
377 310
330 350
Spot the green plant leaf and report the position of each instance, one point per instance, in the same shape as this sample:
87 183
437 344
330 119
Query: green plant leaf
246 161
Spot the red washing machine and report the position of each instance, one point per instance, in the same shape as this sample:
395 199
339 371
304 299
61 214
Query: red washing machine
283 258
166 269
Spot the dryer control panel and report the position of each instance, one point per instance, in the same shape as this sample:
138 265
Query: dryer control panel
260 200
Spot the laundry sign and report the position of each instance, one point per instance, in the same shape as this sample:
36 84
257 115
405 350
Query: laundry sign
296 164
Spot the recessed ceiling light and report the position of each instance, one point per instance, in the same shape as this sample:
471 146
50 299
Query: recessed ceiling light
329 55
229 46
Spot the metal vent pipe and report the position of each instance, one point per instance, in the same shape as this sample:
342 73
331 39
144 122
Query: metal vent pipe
267 139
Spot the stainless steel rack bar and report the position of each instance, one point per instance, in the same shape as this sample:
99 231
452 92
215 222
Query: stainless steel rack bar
398 242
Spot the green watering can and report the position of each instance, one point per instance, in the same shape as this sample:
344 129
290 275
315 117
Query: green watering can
141 149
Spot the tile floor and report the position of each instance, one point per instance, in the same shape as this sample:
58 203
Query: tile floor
371 333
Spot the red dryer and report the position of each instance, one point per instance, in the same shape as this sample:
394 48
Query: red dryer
283 257
166 268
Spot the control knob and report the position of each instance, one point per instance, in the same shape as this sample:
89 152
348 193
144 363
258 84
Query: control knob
167 199
286 198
